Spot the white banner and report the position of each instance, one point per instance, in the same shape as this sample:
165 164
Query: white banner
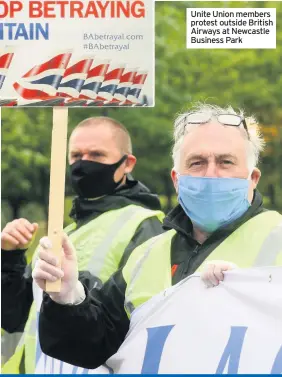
76 53
233 328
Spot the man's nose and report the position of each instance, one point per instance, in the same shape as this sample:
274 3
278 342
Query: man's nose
85 156
211 170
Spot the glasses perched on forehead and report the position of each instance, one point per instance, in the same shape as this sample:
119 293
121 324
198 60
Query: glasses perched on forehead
225 119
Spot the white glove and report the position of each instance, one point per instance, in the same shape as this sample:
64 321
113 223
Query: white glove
213 272
46 269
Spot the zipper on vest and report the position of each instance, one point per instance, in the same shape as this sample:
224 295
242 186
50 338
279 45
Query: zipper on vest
187 264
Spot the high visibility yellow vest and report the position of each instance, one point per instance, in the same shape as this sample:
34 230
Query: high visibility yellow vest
258 242
100 245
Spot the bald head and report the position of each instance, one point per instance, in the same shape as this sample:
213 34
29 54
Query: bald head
118 130
103 140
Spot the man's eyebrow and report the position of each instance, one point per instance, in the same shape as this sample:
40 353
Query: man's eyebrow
72 151
196 157
193 157
204 157
226 155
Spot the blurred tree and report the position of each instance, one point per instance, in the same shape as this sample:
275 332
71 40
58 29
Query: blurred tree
244 78
25 157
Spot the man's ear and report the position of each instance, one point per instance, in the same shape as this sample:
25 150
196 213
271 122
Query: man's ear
254 180
174 178
255 177
130 163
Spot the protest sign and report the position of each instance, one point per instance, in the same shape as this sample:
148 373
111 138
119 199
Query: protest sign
190 329
76 53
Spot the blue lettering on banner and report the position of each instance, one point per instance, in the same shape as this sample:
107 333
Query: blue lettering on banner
33 31
232 351
156 339
74 370
155 344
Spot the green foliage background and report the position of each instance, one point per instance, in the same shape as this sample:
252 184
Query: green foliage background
251 79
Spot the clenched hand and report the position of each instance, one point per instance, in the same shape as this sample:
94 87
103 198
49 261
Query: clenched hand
17 234
47 268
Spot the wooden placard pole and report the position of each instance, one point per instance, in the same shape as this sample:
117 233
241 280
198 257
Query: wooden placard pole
57 186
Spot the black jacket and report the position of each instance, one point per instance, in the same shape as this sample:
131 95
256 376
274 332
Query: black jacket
88 334
16 279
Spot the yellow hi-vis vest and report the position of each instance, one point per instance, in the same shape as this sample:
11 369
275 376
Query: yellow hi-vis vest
99 245
258 242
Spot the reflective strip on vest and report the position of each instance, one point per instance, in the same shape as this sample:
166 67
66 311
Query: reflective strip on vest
9 343
136 270
255 243
271 249
148 272
12 366
105 261
100 245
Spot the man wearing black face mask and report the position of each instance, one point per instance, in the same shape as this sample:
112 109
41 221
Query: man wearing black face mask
112 213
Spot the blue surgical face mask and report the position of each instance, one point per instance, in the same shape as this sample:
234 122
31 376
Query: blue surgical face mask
212 203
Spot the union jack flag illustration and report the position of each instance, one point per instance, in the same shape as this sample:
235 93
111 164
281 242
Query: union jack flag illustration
43 80
6 57
88 81
74 78
136 88
110 84
123 87
94 80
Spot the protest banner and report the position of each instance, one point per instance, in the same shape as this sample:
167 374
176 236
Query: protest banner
189 329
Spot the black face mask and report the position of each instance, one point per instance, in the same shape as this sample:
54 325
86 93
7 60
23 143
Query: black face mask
91 179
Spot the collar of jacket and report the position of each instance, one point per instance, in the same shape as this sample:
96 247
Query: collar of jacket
178 220
132 192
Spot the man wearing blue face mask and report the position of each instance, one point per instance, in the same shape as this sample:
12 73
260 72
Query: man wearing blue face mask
220 216
214 173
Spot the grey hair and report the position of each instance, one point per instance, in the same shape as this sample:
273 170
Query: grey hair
255 144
